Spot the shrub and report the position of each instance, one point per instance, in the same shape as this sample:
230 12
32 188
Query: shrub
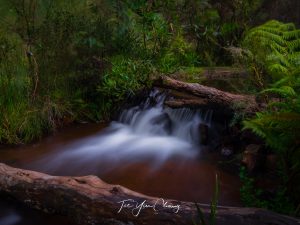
279 125
125 77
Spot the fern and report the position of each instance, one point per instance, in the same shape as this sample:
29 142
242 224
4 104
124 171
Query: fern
275 47
280 130
284 91
279 125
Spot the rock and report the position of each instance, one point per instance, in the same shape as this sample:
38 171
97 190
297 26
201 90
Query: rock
152 101
227 151
227 145
226 140
253 148
203 131
247 136
164 121
253 158
271 162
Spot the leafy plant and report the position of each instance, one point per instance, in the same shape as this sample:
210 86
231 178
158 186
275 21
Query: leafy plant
125 77
252 196
279 125
179 54
272 48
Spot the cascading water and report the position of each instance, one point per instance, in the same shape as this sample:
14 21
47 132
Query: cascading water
151 149
148 132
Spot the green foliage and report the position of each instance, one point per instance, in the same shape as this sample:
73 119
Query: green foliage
272 48
69 60
124 78
279 126
279 123
244 12
38 60
219 25
207 34
179 54
14 85
252 196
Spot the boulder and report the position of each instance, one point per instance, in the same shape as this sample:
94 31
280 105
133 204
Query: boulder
164 121
227 151
253 158
271 162
203 131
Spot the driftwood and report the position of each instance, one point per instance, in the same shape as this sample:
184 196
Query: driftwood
197 95
89 200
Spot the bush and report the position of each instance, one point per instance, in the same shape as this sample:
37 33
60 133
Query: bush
252 196
278 125
273 54
179 54
125 77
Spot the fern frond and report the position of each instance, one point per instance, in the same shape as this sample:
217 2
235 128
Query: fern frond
290 35
285 91
294 45
280 130
276 57
267 35
276 45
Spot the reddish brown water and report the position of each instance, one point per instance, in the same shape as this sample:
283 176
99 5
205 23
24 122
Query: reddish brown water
187 180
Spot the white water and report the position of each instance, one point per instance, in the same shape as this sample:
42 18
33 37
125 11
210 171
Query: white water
148 132
11 218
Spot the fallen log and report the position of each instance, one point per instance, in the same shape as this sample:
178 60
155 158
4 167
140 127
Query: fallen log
207 96
89 200
211 73
224 73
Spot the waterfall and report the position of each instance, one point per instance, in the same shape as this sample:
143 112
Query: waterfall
149 131
151 118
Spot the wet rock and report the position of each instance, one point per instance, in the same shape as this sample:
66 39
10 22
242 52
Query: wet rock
164 120
247 136
227 151
271 162
152 101
227 146
203 131
226 140
253 158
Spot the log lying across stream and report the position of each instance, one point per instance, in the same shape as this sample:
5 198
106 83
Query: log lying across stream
194 95
89 200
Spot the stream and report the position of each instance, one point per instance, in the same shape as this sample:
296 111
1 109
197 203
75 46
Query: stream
150 149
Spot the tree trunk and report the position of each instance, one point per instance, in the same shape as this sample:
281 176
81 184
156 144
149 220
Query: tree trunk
89 200
194 95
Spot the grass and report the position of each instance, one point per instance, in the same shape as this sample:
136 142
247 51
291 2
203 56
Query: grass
213 208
